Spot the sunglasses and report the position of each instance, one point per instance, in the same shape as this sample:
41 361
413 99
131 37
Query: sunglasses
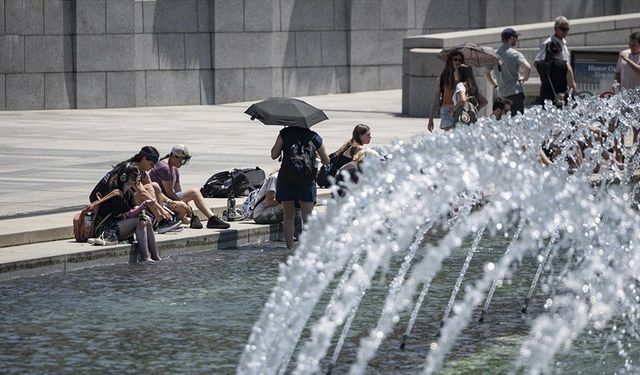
457 60
565 29
184 160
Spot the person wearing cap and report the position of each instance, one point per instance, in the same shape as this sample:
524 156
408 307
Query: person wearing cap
166 173
515 70
552 60
143 190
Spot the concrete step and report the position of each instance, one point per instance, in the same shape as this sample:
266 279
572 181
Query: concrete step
59 226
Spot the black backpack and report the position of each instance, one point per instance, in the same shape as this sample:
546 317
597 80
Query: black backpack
222 184
298 160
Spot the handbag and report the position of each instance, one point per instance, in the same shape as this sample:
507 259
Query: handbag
84 224
467 114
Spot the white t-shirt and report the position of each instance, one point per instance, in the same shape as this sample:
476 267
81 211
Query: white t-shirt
459 88
268 185
628 77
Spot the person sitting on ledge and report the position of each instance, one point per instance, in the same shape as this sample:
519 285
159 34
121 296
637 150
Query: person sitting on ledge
120 218
351 170
142 190
166 173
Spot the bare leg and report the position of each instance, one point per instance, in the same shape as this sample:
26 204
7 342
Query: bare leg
141 237
151 241
289 210
306 208
197 198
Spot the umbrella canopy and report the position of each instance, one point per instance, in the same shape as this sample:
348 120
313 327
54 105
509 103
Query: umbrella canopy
474 54
286 112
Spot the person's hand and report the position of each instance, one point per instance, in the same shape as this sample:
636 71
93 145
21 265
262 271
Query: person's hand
623 56
172 205
430 125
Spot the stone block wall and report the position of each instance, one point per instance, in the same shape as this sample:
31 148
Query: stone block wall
57 54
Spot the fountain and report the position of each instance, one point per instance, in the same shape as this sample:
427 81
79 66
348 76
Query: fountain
424 204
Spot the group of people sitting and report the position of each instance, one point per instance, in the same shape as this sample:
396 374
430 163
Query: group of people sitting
148 198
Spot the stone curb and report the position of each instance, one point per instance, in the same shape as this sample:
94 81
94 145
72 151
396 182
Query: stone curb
89 255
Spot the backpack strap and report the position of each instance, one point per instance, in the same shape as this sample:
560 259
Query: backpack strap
113 193
441 90
258 202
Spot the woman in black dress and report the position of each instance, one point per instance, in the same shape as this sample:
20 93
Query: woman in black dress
296 183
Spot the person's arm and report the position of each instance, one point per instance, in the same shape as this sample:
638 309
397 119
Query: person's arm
145 178
489 77
571 82
635 67
543 158
270 199
168 189
435 108
524 70
482 101
276 150
322 152
462 98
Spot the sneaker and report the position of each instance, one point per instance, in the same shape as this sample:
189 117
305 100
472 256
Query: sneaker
195 223
168 225
104 242
214 222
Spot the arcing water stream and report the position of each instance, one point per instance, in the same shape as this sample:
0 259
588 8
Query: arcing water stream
488 175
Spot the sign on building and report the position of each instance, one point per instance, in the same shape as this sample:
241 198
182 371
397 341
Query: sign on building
594 71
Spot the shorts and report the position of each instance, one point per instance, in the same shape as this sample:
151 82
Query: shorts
446 118
286 192
180 194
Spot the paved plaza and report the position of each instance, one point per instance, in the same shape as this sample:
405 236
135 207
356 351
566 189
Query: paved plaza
52 159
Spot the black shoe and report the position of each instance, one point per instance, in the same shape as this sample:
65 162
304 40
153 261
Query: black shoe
214 222
195 223
168 225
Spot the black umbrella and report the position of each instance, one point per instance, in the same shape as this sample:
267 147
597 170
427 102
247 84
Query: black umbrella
286 112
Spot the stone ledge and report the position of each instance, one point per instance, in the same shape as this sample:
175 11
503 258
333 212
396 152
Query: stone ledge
72 256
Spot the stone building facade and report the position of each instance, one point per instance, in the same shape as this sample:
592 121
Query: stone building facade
59 54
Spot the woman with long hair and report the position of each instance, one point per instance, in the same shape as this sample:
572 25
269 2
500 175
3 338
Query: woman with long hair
120 217
143 190
296 184
466 90
360 137
442 97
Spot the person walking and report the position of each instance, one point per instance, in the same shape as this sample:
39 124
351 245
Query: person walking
298 147
553 62
466 90
628 66
514 71
442 97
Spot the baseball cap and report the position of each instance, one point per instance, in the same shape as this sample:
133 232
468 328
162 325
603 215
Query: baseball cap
181 151
150 153
509 32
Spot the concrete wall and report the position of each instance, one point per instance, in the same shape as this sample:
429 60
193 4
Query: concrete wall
422 67
125 53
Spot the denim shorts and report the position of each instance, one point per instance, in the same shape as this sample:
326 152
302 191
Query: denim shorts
446 118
